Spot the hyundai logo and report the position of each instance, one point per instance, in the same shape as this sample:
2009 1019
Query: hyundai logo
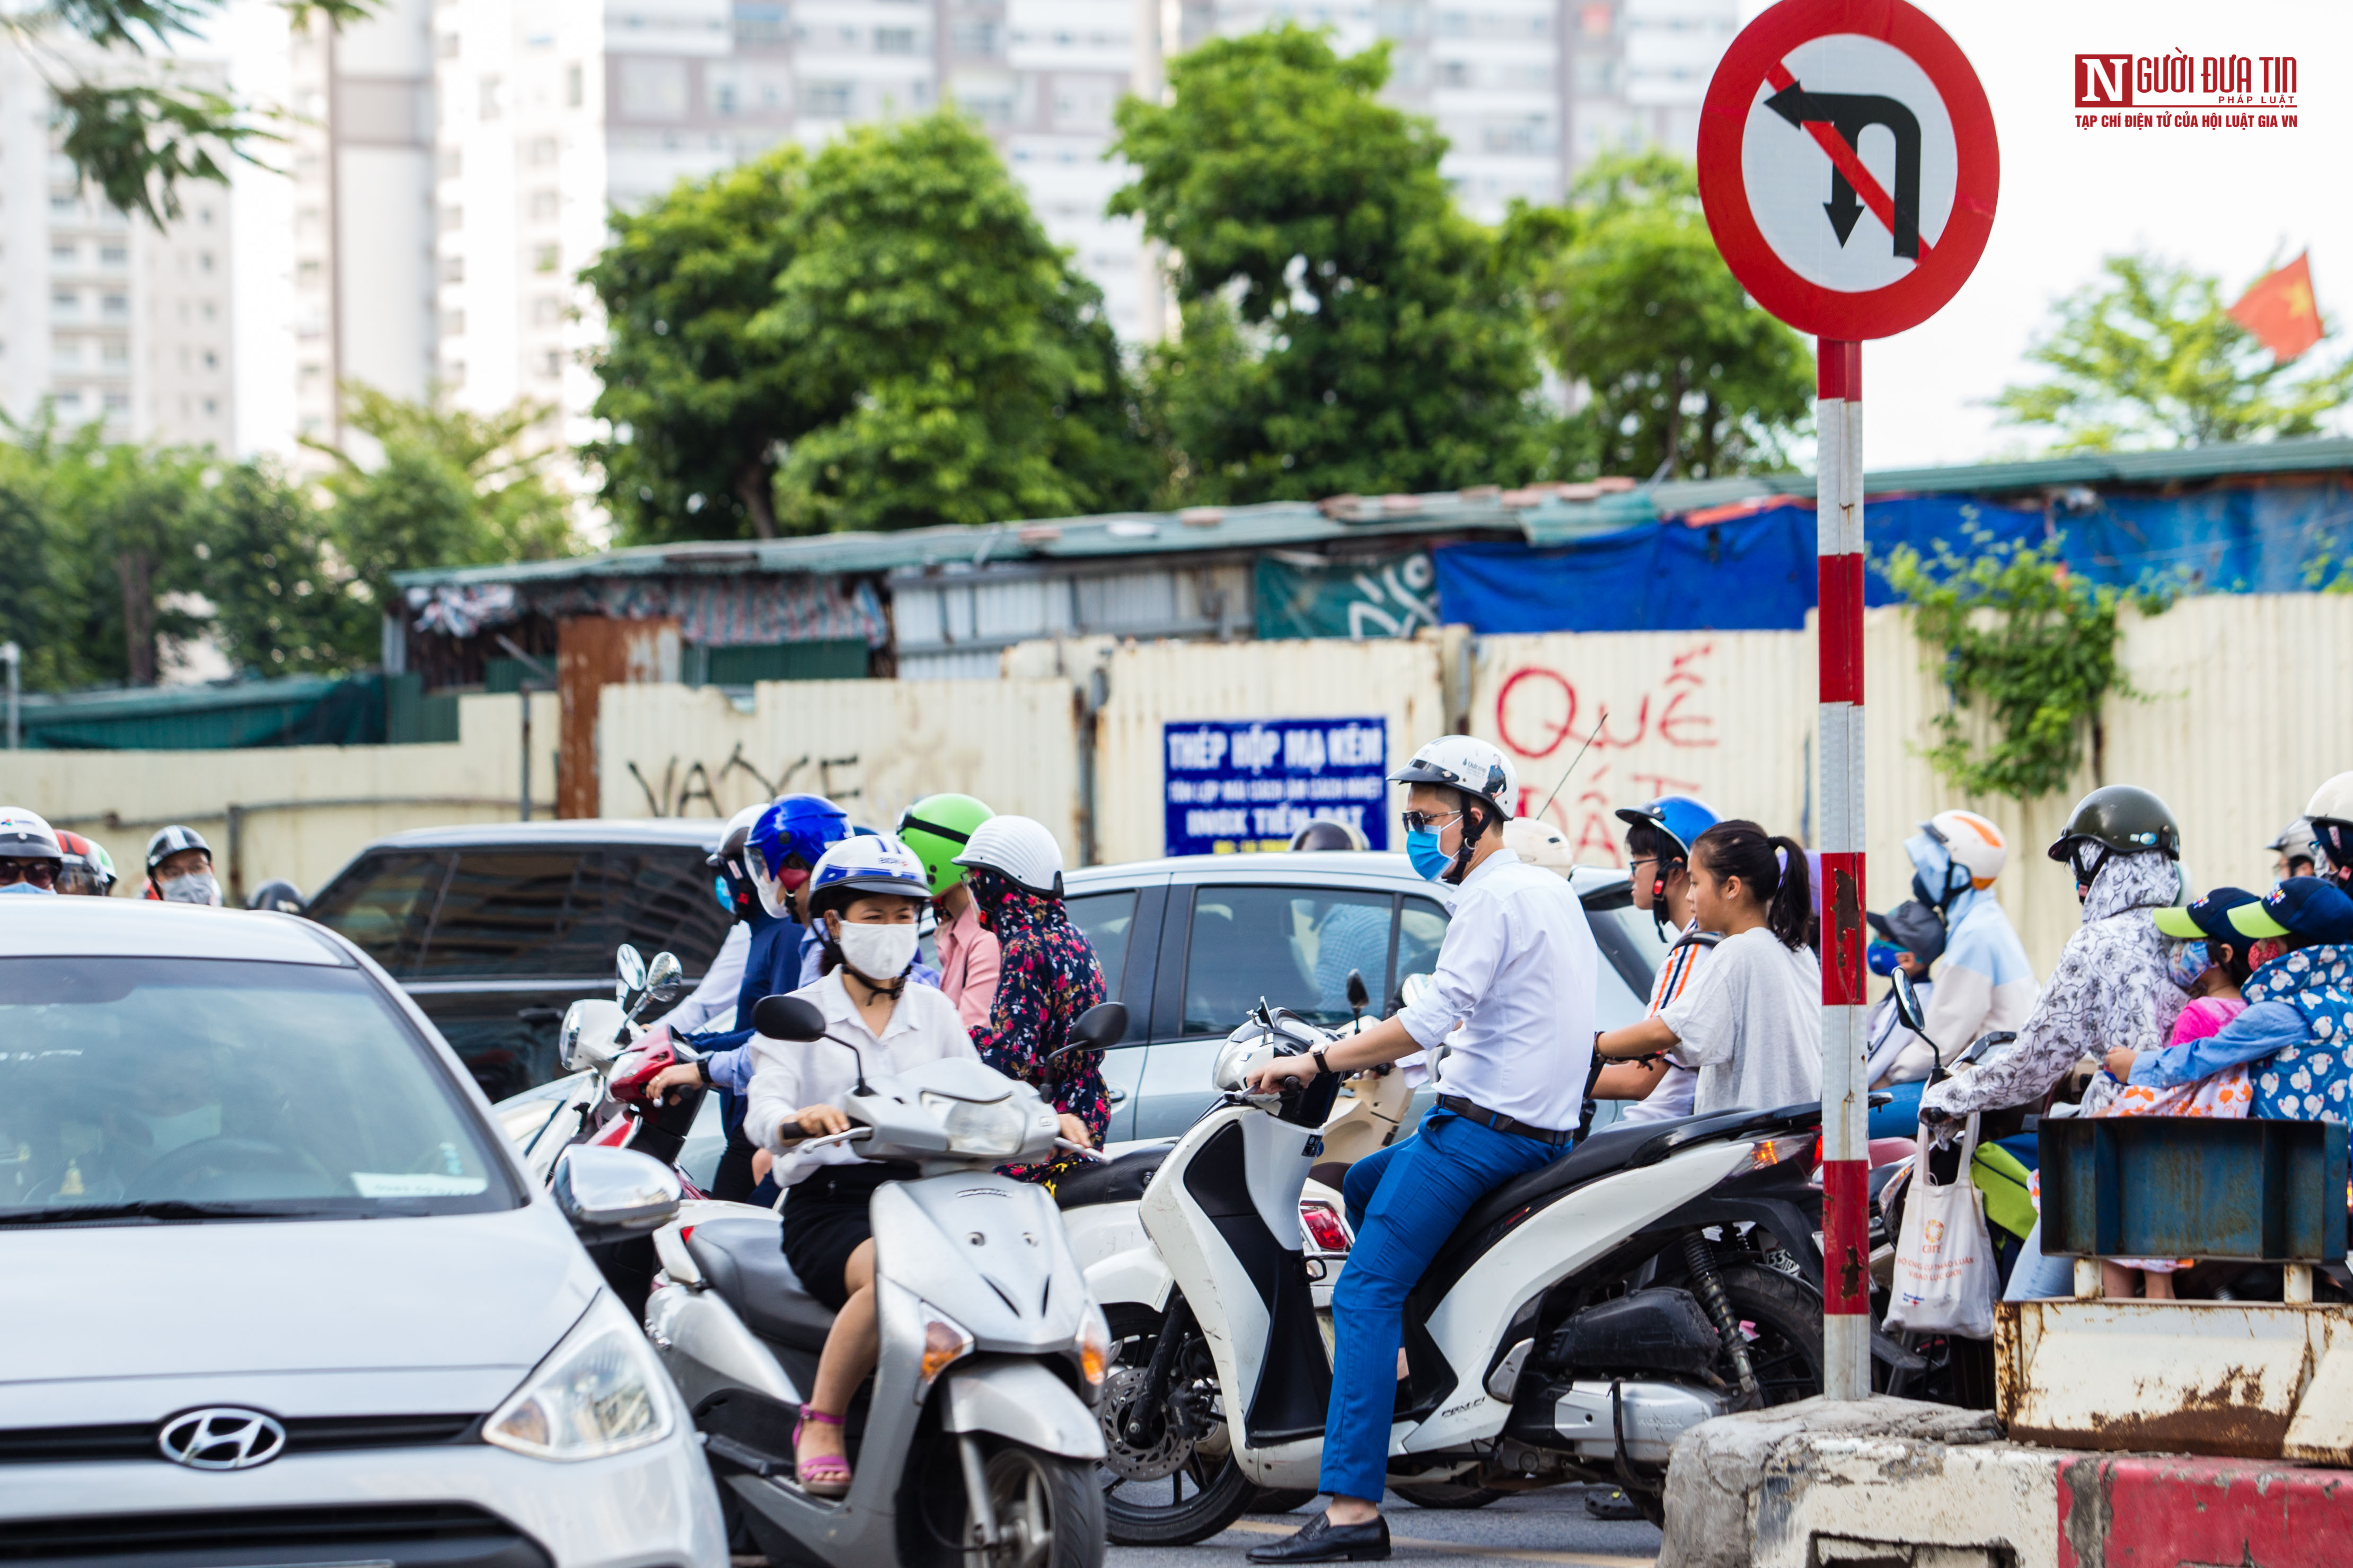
225 1438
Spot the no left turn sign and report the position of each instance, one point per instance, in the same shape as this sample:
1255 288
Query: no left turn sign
1848 166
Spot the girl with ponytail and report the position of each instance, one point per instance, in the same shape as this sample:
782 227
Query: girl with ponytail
1750 1022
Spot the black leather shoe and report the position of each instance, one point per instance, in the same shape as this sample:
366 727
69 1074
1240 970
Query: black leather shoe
1321 1540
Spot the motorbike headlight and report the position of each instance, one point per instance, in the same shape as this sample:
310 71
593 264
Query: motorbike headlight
945 1342
598 1393
996 1127
1093 1346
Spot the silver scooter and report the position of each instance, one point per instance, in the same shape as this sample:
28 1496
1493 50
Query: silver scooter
975 1442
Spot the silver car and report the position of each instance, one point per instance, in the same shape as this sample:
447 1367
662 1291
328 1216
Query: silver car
277 1291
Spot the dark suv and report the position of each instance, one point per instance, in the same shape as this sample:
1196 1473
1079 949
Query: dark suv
1192 943
496 928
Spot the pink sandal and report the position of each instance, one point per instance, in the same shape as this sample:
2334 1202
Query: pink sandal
820 1475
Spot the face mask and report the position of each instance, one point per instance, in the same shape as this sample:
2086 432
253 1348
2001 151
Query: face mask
2263 951
877 952
195 888
1881 957
28 888
1430 862
2186 962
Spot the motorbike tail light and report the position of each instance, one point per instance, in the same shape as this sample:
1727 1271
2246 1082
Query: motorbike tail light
1326 1231
1776 1151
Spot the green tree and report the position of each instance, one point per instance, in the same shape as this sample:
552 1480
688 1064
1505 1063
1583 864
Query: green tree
2148 356
130 517
451 488
1345 329
699 411
1684 376
126 121
283 603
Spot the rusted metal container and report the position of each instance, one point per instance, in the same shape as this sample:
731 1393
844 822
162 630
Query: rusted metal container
2173 1186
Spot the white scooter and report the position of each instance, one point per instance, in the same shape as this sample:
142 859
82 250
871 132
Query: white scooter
1580 1318
975 1444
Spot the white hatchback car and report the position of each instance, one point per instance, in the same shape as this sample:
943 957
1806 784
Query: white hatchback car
277 1289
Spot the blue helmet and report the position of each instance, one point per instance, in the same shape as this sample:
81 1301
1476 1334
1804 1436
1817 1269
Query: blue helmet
799 824
1680 819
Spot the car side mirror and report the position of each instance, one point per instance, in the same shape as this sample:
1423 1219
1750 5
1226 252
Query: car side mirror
787 1017
665 977
1908 1003
1359 993
1100 1028
607 1193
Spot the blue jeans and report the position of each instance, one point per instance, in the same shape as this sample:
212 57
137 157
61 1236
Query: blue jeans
2034 1277
1404 1202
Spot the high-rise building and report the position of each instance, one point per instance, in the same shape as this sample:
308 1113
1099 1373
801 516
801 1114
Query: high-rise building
106 317
550 115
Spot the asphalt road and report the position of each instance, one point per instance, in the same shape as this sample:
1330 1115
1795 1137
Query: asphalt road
1549 1526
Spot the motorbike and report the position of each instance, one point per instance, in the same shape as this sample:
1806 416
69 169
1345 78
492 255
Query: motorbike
1579 1320
975 1442
607 1060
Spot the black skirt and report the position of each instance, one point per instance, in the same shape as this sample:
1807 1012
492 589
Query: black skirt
825 1218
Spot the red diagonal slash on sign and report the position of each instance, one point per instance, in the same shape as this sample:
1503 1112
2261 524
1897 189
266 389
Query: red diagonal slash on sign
1844 159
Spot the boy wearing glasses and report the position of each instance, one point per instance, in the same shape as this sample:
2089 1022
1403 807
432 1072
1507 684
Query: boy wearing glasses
1518 968
30 855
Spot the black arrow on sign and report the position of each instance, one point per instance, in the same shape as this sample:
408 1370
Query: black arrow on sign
1850 112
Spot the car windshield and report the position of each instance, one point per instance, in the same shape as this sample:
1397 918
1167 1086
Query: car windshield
188 1088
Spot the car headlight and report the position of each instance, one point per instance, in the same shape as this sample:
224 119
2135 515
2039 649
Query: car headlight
996 1127
598 1393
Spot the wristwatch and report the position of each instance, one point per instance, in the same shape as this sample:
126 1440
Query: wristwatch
1321 1065
702 1068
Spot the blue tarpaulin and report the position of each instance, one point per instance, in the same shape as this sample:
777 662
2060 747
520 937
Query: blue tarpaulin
1755 571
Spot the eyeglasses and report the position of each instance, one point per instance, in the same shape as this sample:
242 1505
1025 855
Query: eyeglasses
1422 820
40 873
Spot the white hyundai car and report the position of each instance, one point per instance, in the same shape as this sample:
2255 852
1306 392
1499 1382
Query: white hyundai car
277 1290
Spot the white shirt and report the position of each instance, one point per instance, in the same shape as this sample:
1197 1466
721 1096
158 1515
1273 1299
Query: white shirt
1678 1086
1518 968
1752 1024
790 1074
716 995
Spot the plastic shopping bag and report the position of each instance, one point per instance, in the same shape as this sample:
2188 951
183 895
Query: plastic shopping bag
1945 1275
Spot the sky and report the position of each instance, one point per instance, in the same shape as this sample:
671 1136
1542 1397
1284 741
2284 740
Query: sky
2225 202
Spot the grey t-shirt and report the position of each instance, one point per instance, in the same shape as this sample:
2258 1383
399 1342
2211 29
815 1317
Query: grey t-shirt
1751 1023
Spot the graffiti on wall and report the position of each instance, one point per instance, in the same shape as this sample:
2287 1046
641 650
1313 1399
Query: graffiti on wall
1657 741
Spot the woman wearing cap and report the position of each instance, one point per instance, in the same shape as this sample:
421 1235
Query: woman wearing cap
864 897
938 828
1046 976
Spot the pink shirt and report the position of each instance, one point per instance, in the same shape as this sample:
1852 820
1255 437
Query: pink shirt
2203 1017
968 964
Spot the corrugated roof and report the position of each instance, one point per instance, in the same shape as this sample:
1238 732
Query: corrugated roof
1542 514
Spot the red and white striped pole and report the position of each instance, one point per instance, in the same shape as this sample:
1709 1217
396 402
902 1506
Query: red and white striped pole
1846 1204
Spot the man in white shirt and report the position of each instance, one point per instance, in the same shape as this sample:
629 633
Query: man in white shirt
1517 968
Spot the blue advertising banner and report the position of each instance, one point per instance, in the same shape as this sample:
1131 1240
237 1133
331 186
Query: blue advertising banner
1250 783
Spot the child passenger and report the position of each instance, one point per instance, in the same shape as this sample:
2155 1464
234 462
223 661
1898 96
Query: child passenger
1750 1022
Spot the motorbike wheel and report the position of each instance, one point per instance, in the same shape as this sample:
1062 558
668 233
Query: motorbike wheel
1446 1494
1784 1318
1049 1514
1176 1491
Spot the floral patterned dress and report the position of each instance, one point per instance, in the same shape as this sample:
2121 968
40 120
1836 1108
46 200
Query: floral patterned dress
1046 977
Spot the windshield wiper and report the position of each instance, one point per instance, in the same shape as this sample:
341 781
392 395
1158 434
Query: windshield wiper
158 1209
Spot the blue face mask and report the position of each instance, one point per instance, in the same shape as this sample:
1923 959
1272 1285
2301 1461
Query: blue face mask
1881 957
1430 862
2187 962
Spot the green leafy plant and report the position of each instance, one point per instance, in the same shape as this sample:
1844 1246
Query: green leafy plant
2029 648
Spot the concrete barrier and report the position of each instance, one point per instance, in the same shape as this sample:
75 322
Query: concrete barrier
1889 1483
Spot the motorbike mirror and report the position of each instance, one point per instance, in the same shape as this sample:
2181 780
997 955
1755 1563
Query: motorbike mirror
1410 990
1098 1029
1359 993
665 976
1908 1003
591 1035
629 973
611 1193
782 1017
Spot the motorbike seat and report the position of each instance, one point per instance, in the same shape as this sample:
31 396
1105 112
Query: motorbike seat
744 1260
1119 1180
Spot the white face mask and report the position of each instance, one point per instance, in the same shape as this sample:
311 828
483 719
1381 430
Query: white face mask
878 952
195 888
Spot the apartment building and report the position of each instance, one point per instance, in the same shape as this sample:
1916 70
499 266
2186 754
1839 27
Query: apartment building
106 317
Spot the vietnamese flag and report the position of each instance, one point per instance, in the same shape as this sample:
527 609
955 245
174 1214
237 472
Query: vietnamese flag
2279 310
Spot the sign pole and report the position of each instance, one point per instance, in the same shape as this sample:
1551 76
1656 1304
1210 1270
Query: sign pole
1846 1207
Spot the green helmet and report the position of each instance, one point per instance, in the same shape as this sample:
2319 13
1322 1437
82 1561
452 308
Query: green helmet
2124 817
936 828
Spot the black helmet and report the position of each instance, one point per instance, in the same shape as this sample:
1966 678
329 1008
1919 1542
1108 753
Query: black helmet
169 841
1323 833
2122 817
278 894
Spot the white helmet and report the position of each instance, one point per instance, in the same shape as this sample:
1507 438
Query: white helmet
1467 764
2295 840
1539 843
2331 817
862 865
1021 850
1973 844
27 835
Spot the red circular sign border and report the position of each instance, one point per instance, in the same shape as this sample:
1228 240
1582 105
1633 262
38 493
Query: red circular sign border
1723 119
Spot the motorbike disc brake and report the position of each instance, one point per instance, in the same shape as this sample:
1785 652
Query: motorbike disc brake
1126 1460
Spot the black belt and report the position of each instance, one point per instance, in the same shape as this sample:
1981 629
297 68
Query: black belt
1495 1120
